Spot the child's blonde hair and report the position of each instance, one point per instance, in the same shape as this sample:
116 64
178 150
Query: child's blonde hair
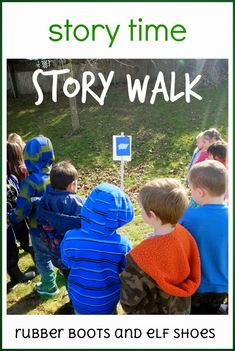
212 134
166 197
210 175
16 138
199 136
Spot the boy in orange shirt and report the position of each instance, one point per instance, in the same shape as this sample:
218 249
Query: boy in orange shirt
163 271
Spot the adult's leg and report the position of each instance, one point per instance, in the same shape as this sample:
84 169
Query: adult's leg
12 261
23 236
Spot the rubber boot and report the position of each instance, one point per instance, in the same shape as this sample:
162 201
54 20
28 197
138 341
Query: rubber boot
47 286
19 277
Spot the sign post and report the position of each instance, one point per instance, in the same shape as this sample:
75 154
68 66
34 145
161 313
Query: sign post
122 151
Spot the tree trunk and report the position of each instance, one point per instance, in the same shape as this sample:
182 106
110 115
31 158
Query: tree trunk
74 114
12 78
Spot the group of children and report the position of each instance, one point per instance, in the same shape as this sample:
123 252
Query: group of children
180 268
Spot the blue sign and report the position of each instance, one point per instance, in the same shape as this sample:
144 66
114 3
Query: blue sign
123 146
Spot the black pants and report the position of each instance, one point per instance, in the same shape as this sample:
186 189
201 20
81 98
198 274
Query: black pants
207 303
18 232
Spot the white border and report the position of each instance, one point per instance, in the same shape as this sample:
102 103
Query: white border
207 24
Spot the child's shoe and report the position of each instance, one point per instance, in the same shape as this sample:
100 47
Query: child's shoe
44 289
223 309
19 277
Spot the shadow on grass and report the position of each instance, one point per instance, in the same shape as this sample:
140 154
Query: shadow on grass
67 308
25 304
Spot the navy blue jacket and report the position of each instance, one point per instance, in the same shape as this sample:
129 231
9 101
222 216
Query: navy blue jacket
57 212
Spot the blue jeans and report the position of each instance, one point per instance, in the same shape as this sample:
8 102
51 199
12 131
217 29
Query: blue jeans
43 260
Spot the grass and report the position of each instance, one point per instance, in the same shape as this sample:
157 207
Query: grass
163 138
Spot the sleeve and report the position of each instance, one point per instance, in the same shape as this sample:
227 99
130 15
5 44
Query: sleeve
122 263
23 203
195 153
133 287
76 205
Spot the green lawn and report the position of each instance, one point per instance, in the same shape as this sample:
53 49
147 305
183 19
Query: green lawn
163 138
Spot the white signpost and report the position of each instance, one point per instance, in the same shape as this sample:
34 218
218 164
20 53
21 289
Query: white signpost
122 151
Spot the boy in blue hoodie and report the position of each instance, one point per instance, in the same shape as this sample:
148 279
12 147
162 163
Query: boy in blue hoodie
209 226
59 209
96 253
38 156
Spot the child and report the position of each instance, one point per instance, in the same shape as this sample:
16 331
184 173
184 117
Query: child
203 141
59 209
14 233
96 252
196 152
16 138
15 161
20 231
209 226
38 156
218 151
163 271
207 138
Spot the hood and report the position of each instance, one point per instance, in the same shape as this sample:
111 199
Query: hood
172 261
39 155
106 209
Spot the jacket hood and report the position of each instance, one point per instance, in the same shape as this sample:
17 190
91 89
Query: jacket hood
39 155
106 209
172 260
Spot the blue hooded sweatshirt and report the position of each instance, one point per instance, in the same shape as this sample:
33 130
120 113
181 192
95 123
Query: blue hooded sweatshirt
38 156
96 252
57 212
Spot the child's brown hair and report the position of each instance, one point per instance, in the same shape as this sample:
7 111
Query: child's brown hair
166 197
218 151
62 174
210 175
15 160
